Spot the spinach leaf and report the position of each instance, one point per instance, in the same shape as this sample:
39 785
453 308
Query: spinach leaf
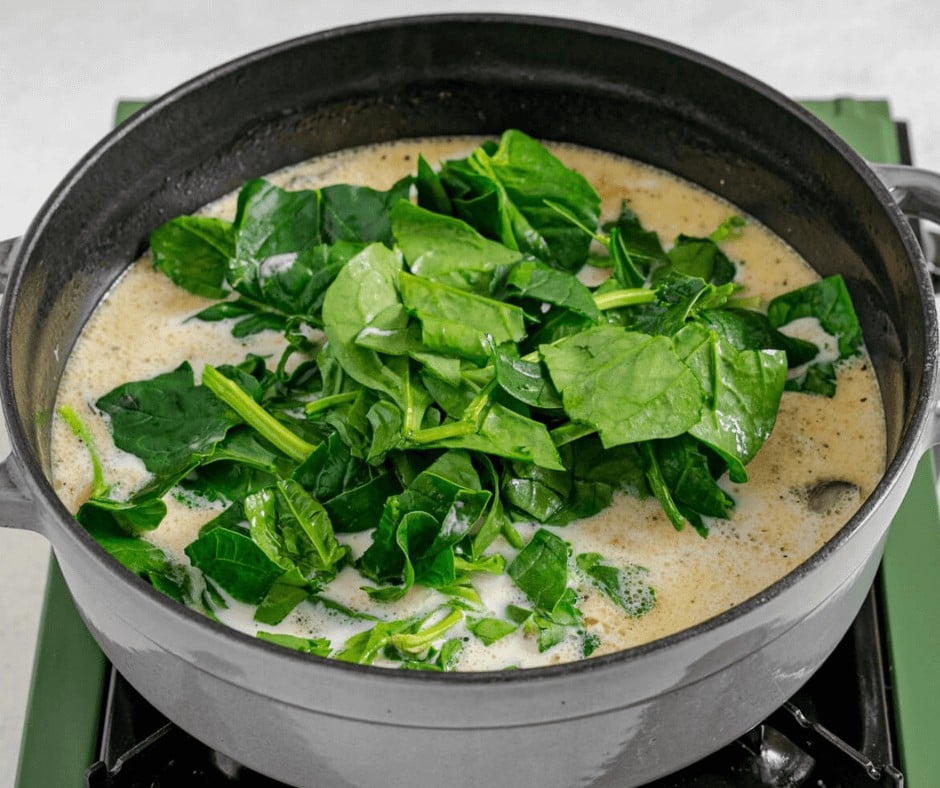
629 386
484 425
167 421
525 380
193 251
138 555
272 221
294 529
431 192
363 648
319 647
549 627
620 467
634 250
433 492
427 543
351 491
626 586
540 570
495 521
818 378
828 301
360 213
748 329
552 496
536 280
229 391
280 292
698 257
514 182
404 639
366 286
488 629
730 228
448 250
143 511
288 591
436 659
686 471
678 299
457 322
394 333
744 390
236 563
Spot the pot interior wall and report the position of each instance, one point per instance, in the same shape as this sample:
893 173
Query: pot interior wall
383 81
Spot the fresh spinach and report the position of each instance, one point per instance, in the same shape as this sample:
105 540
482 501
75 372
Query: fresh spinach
828 302
445 376
234 561
540 569
506 192
626 586
319 647
168 421
664 397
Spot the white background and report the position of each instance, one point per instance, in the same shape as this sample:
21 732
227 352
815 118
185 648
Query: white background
63 65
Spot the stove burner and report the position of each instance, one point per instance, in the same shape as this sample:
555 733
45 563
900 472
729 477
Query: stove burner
796 747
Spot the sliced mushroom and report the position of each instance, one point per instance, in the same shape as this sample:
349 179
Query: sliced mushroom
826 495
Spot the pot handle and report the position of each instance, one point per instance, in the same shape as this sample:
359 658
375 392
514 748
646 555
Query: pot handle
917 193
17 509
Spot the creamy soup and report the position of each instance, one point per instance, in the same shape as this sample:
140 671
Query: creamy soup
783 513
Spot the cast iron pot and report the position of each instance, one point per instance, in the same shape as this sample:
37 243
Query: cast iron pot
622 719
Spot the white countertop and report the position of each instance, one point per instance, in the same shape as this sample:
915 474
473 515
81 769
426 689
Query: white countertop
62 66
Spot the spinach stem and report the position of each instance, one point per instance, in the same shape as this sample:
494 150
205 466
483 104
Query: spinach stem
255 416
420 640
630 296
570 431
452 429
476 411
412 422
494 564
470 421
331 401
99 487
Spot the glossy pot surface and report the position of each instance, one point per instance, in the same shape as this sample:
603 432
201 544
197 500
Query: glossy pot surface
622 719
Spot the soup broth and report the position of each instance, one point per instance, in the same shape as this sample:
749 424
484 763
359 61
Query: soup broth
823 458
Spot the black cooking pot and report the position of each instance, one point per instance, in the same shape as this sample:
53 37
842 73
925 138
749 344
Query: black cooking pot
621 719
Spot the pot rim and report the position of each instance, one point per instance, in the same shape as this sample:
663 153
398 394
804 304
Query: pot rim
910 446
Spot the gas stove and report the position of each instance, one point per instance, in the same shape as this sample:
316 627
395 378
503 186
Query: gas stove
867 718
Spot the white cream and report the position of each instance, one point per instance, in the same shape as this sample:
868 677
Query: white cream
142 329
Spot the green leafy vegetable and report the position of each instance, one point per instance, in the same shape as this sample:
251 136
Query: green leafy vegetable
663 398
193 251
236 563
541 569
626 586
319 647
828 302
167 421
446 376
744 389
504 192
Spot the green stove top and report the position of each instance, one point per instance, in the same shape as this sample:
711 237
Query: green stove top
60 735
